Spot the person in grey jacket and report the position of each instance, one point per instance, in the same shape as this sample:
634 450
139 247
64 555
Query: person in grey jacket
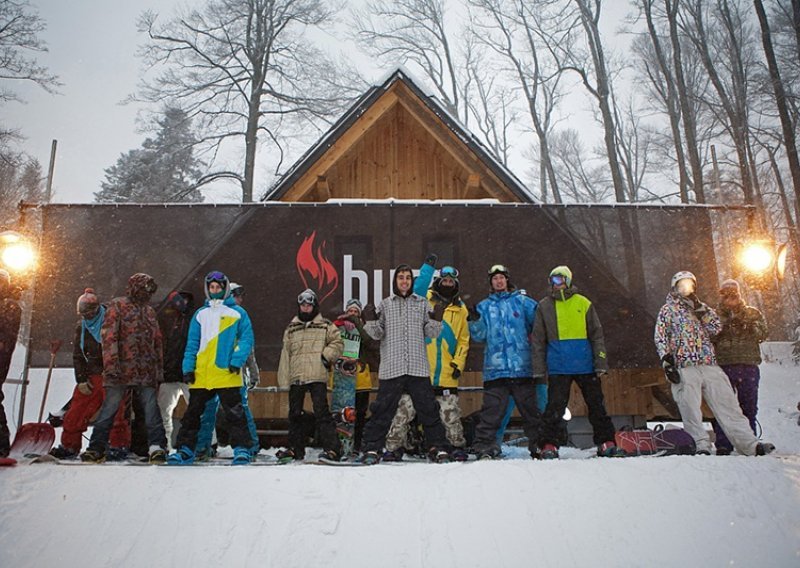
402 324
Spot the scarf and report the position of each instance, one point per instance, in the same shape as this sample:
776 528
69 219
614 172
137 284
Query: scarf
93 325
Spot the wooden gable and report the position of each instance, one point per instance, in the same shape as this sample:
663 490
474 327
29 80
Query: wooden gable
398 147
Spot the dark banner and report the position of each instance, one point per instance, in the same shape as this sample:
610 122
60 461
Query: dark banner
622 258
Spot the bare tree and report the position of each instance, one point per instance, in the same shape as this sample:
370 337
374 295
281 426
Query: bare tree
729 38
515 30
414 31
20 180
20 27
780 99
244 69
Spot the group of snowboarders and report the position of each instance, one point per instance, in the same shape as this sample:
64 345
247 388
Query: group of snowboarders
534 352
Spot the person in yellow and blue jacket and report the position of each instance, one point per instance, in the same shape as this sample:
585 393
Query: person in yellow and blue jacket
220 341
447 355
568 346
504 321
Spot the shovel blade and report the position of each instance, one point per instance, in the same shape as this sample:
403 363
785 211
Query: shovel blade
34 439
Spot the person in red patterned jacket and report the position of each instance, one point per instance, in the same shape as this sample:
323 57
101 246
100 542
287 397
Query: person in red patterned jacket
684 329
132 358
87 359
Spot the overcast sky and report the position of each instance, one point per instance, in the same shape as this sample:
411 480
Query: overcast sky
92 48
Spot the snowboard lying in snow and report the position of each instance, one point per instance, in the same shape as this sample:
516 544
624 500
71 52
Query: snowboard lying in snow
143 461
657 442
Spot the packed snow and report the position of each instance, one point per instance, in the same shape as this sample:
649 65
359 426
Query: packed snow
649 511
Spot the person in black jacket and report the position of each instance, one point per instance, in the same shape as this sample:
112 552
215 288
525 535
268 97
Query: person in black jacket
87 359
10 313
174 321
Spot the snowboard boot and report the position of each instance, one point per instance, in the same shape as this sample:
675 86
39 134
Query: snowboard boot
157 456
726 451
610 450
330 455
549 452
184 456
439 456
241 456
459 455
204 454
370 458
93 456
489 454
764 448
393 455
117 454
286 456
62 453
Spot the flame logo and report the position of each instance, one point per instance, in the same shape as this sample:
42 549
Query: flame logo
315 269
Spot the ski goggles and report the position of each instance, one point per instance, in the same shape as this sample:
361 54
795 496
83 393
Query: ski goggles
449 272
498 269
216 276
307 298
558 280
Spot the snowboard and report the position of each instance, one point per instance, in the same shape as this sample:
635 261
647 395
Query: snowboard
7 462
343 397
657 442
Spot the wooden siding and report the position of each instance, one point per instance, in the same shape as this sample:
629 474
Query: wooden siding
398 148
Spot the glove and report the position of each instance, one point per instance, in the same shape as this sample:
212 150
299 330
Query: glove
325 362
698 307
85 388
437 311
368 313
474 315
456 370
431 259
355 320
670 370
234 370
252 382
188 378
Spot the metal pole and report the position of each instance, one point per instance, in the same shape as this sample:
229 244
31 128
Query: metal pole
48 194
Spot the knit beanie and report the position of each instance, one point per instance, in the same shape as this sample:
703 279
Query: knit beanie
88 302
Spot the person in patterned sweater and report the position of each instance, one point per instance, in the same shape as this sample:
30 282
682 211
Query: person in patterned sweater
739 354
132 358
684 329
401 324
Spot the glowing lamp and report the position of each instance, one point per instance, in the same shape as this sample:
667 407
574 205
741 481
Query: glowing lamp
18 257
780 260
757 257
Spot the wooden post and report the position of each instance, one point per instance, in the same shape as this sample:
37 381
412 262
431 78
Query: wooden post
49 188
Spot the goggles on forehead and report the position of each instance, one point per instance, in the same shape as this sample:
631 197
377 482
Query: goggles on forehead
497 268
306 298
215 276
558 280
448 272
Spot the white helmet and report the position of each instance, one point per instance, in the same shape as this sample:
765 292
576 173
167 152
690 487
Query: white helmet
682 275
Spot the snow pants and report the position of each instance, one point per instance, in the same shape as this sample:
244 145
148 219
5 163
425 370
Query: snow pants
111 404
744 379
326 426
385 407
709 382
449 413
83 408
231 400
495 405
168 396
208 423
362 405
558 390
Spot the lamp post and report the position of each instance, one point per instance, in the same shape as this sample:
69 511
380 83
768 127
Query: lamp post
762 264
18 256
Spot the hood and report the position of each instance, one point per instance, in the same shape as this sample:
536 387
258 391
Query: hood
141 288
402 268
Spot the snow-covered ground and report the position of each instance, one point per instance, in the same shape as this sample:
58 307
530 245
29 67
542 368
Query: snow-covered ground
670 511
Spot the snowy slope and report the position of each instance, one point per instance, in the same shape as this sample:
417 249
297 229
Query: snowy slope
669 511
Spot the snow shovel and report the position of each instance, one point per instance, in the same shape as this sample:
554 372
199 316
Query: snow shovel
36 439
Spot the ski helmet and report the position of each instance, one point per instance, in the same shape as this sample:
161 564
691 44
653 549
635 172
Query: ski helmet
564 272
219 278
682 275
